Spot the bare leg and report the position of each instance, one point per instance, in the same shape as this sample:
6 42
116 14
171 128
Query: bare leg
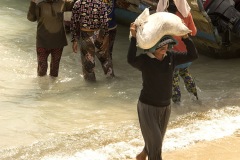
142 155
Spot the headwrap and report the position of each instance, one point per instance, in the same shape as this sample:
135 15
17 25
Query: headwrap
163 41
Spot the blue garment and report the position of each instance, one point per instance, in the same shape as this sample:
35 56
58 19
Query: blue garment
111 15
184 65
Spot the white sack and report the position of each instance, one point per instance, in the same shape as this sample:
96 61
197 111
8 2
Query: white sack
151 28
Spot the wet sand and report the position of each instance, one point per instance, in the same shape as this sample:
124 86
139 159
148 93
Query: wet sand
227 148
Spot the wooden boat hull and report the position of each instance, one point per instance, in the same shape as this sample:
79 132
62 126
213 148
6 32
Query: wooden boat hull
208 40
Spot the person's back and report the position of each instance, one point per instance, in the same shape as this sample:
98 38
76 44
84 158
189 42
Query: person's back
50 28
89 26
188 21
51 37
181 47
182 10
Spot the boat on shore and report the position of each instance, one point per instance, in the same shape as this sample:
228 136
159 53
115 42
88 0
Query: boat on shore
217 22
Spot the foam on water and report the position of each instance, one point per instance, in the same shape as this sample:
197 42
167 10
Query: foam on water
105 141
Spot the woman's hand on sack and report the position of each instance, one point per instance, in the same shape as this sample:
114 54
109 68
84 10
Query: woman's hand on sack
133 29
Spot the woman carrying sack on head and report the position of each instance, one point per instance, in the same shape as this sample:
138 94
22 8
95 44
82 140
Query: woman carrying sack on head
154 103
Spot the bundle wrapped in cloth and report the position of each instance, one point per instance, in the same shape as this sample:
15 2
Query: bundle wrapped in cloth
151 28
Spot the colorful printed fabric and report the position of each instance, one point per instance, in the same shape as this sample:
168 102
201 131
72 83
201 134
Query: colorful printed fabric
188 81
90 45
89 14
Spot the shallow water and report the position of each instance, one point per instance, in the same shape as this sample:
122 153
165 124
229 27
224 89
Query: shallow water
67 118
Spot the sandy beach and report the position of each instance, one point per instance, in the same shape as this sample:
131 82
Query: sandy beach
227 148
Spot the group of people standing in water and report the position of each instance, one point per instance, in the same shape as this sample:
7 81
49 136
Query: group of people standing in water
93 28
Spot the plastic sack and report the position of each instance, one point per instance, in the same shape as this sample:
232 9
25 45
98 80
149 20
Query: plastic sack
151 28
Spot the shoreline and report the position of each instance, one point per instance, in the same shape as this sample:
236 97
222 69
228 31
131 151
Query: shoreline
226 148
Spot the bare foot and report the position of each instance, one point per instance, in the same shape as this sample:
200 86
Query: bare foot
141 156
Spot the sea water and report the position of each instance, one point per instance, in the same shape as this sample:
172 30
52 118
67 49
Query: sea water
69 119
